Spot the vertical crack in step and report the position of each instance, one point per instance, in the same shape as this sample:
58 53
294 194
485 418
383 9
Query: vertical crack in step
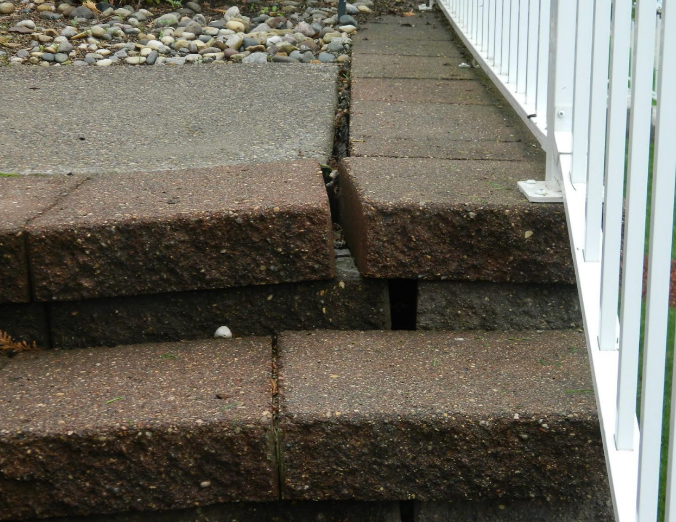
275 415
403 303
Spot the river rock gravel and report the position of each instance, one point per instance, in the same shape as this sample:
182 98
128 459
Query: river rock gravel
54 34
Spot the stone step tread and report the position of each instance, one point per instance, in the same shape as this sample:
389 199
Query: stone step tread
426 415
423 26
420 91
22 200
150 232
417 67
453 220
429 415
143 427
422 129
441 48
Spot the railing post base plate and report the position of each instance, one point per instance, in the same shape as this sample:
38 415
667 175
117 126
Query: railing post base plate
539 192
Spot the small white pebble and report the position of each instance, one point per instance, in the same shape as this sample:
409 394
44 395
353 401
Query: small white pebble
205 484
224 332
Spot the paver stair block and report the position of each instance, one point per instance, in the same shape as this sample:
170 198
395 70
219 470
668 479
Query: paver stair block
472 415
451 220
141 233
146 427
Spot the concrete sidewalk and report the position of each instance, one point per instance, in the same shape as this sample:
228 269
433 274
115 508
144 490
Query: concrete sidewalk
94 120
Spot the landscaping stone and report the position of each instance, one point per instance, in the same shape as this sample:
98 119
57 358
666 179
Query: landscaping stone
348 302
436 219
450 305
152 232
471 416
136 428
23 199
593 507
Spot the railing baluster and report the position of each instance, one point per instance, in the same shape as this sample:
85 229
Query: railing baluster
506 9
597 130
543 58
634 228
614 184
522 47
497 55
665 166
585 15
485 33
513 40
532 65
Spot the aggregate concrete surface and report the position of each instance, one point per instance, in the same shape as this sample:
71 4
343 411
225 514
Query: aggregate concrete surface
148 427
151 232
92 120
465 415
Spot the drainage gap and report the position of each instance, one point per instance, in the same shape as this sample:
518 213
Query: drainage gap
403 303
406 510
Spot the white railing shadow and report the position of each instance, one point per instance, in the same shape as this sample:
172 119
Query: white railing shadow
563 66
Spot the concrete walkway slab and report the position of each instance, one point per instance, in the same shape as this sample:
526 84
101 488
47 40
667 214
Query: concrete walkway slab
151 427
456 220
141 233
423 26
418 67
93 119
441 48
437 416
420 91
23 199
438 131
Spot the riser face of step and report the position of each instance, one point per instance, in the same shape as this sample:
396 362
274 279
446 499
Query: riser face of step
140 233
437 416
22 200
145 427
451 220
348 302
451 305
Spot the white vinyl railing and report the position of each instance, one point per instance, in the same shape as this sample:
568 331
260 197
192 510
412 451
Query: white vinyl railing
563 65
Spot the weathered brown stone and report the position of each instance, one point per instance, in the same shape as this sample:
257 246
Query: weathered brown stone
439 130
593 507
139 233
457 220
420 91
23 198
398 66
429 27
281 511
474 416
457 305
147 427
348 302
26 322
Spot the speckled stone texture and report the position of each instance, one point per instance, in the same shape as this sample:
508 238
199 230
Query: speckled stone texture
348 302
594 507
457 220
475 416
420 91
429 27
23 199
458 305
140 233
281 511
148 427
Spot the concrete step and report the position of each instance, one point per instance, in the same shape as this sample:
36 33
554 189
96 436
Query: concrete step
470 417
435 219
152 232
